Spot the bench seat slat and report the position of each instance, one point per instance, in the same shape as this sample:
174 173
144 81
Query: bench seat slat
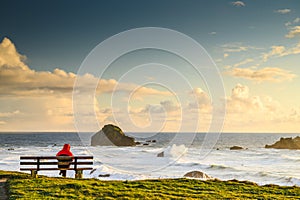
79 168
54 157
55 163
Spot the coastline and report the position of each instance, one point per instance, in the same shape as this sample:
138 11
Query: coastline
22 186
254 163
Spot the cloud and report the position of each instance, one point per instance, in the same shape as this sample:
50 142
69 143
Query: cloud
276 51
9 114
238 3
213 33
244 62
234 47
237 47
288 23
46 97
17 79
165 115
241 101
280 51
250 113
164 106
39 100
202 101
9 56
258 113
271 74
138 92
225 55
295 31
296 20
283 11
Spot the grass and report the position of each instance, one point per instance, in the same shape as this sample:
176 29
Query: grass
22 186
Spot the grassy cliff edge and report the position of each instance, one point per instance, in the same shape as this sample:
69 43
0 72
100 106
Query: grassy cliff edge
22 186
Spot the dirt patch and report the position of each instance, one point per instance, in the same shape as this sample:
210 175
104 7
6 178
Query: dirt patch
3 192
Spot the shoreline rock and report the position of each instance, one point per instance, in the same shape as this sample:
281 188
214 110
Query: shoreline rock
197 174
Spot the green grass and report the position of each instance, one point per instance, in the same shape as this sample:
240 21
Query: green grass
22 186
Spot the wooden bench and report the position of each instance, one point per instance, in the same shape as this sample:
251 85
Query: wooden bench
40 163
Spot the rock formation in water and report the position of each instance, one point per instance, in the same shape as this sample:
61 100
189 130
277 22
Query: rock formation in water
236 148
111 135
286 143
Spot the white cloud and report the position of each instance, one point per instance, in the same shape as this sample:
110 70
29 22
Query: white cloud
241 101
271 74
16 78
9 57
250 113
296 20
238 3
202 103
9 114
280 51
244 62
283 11
295 31
164 106
225 55
276 51
45 96
237 47
213 33
40 100
288 23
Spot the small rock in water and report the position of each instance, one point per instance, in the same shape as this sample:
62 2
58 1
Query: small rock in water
137 143
145 144
153 141
161 154
104 175
236 148
10 149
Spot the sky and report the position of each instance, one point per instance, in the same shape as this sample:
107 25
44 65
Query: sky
254 44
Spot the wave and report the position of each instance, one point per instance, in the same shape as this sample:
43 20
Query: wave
219 167
191 164
290 157
262 174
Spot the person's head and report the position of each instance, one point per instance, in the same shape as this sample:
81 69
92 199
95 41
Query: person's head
67 147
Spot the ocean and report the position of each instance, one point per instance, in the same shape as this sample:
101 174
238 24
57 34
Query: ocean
254 163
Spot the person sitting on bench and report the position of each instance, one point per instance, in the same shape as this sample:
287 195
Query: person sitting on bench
64 152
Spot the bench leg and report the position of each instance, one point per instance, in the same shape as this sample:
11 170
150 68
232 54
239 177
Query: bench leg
78 174
34 173
63 173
